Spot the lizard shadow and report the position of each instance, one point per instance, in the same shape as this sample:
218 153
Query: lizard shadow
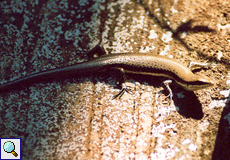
189 106
186 102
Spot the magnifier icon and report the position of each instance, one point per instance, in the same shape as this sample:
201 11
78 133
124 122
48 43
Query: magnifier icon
9 147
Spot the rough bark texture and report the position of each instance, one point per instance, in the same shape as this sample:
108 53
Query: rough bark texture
76 118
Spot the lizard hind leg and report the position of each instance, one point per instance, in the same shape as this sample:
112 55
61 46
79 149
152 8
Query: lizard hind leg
122 91
124 88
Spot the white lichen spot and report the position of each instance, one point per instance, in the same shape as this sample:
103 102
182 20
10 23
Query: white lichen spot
186 141
165 51
131 11
192 147
219 26
173 10
167 37
170 56
225 93
152 35
157 10
184 20
217 103
184 34
219 55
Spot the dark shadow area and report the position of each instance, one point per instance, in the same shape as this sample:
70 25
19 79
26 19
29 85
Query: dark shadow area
187 27
189 106
222 144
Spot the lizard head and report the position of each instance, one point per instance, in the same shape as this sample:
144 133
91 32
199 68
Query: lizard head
199 82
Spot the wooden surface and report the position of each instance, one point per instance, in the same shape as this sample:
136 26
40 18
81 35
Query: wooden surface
76 118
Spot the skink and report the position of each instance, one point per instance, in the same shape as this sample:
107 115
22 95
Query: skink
141 63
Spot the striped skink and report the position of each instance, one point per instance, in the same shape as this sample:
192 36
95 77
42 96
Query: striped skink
141 63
